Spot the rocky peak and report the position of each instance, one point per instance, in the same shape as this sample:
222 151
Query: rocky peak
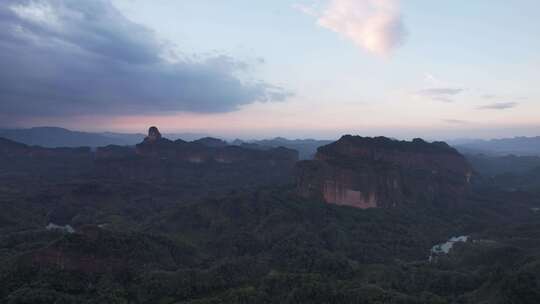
369 172
154 145
153 134
203 150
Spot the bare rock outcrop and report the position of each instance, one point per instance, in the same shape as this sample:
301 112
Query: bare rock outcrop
367 172
153 134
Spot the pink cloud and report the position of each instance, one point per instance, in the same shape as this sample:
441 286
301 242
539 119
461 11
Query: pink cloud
373 25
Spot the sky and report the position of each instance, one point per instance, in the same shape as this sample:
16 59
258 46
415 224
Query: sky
255 69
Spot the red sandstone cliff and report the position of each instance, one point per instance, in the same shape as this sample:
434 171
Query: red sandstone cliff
381 172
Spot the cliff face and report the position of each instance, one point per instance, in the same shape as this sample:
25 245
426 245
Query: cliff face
381 172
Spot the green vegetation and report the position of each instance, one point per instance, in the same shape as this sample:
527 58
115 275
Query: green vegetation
263 246
152 230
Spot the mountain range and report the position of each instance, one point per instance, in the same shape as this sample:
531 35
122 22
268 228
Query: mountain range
205 221
522 146
53 137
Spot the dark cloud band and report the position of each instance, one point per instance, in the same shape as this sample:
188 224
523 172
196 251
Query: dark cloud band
63 57
499 106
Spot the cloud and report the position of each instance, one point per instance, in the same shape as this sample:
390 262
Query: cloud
440 94
62 57
373 25
455 121
499 106
440 91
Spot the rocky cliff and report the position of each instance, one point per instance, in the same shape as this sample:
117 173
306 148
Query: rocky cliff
208 150
380 172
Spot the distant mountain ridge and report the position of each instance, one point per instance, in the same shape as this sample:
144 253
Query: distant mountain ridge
190 164
523 146
54 137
